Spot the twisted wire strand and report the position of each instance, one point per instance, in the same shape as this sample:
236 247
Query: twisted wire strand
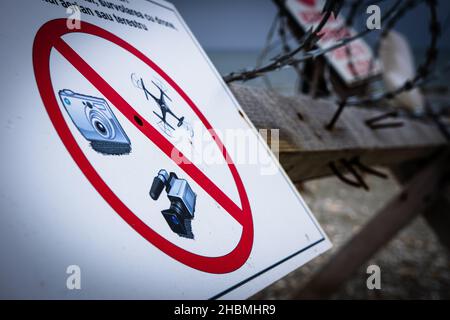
423 70
311 37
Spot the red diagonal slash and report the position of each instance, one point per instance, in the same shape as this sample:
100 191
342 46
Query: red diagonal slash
48 37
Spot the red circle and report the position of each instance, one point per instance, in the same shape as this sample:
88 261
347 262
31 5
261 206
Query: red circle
48 37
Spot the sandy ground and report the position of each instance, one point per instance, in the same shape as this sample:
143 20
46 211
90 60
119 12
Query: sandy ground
414 265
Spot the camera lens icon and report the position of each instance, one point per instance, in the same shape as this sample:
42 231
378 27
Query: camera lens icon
96 122
101 124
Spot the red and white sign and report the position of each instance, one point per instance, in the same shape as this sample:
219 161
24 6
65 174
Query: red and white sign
97 118
353 62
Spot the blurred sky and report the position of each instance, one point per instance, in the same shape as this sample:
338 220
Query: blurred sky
242 25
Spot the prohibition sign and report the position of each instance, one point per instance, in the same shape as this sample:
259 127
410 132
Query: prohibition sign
48 37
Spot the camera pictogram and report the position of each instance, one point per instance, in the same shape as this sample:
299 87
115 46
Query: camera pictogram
96 122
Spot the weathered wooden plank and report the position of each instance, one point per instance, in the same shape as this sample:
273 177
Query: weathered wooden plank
306 147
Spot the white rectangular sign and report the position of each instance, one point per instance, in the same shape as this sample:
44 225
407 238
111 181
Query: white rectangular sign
128 168
353 62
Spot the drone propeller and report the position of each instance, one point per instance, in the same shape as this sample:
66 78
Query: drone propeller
162 91
144 89
180 122
136 80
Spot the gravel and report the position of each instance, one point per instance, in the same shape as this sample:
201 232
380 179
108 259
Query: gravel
414 265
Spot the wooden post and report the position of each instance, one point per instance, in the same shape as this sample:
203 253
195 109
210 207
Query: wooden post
413 200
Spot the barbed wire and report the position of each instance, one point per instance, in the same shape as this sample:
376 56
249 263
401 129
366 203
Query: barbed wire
268 47
292 58
390 19
311 38
304 52
423 70
422 73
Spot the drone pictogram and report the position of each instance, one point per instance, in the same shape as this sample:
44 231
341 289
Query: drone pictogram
161 101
